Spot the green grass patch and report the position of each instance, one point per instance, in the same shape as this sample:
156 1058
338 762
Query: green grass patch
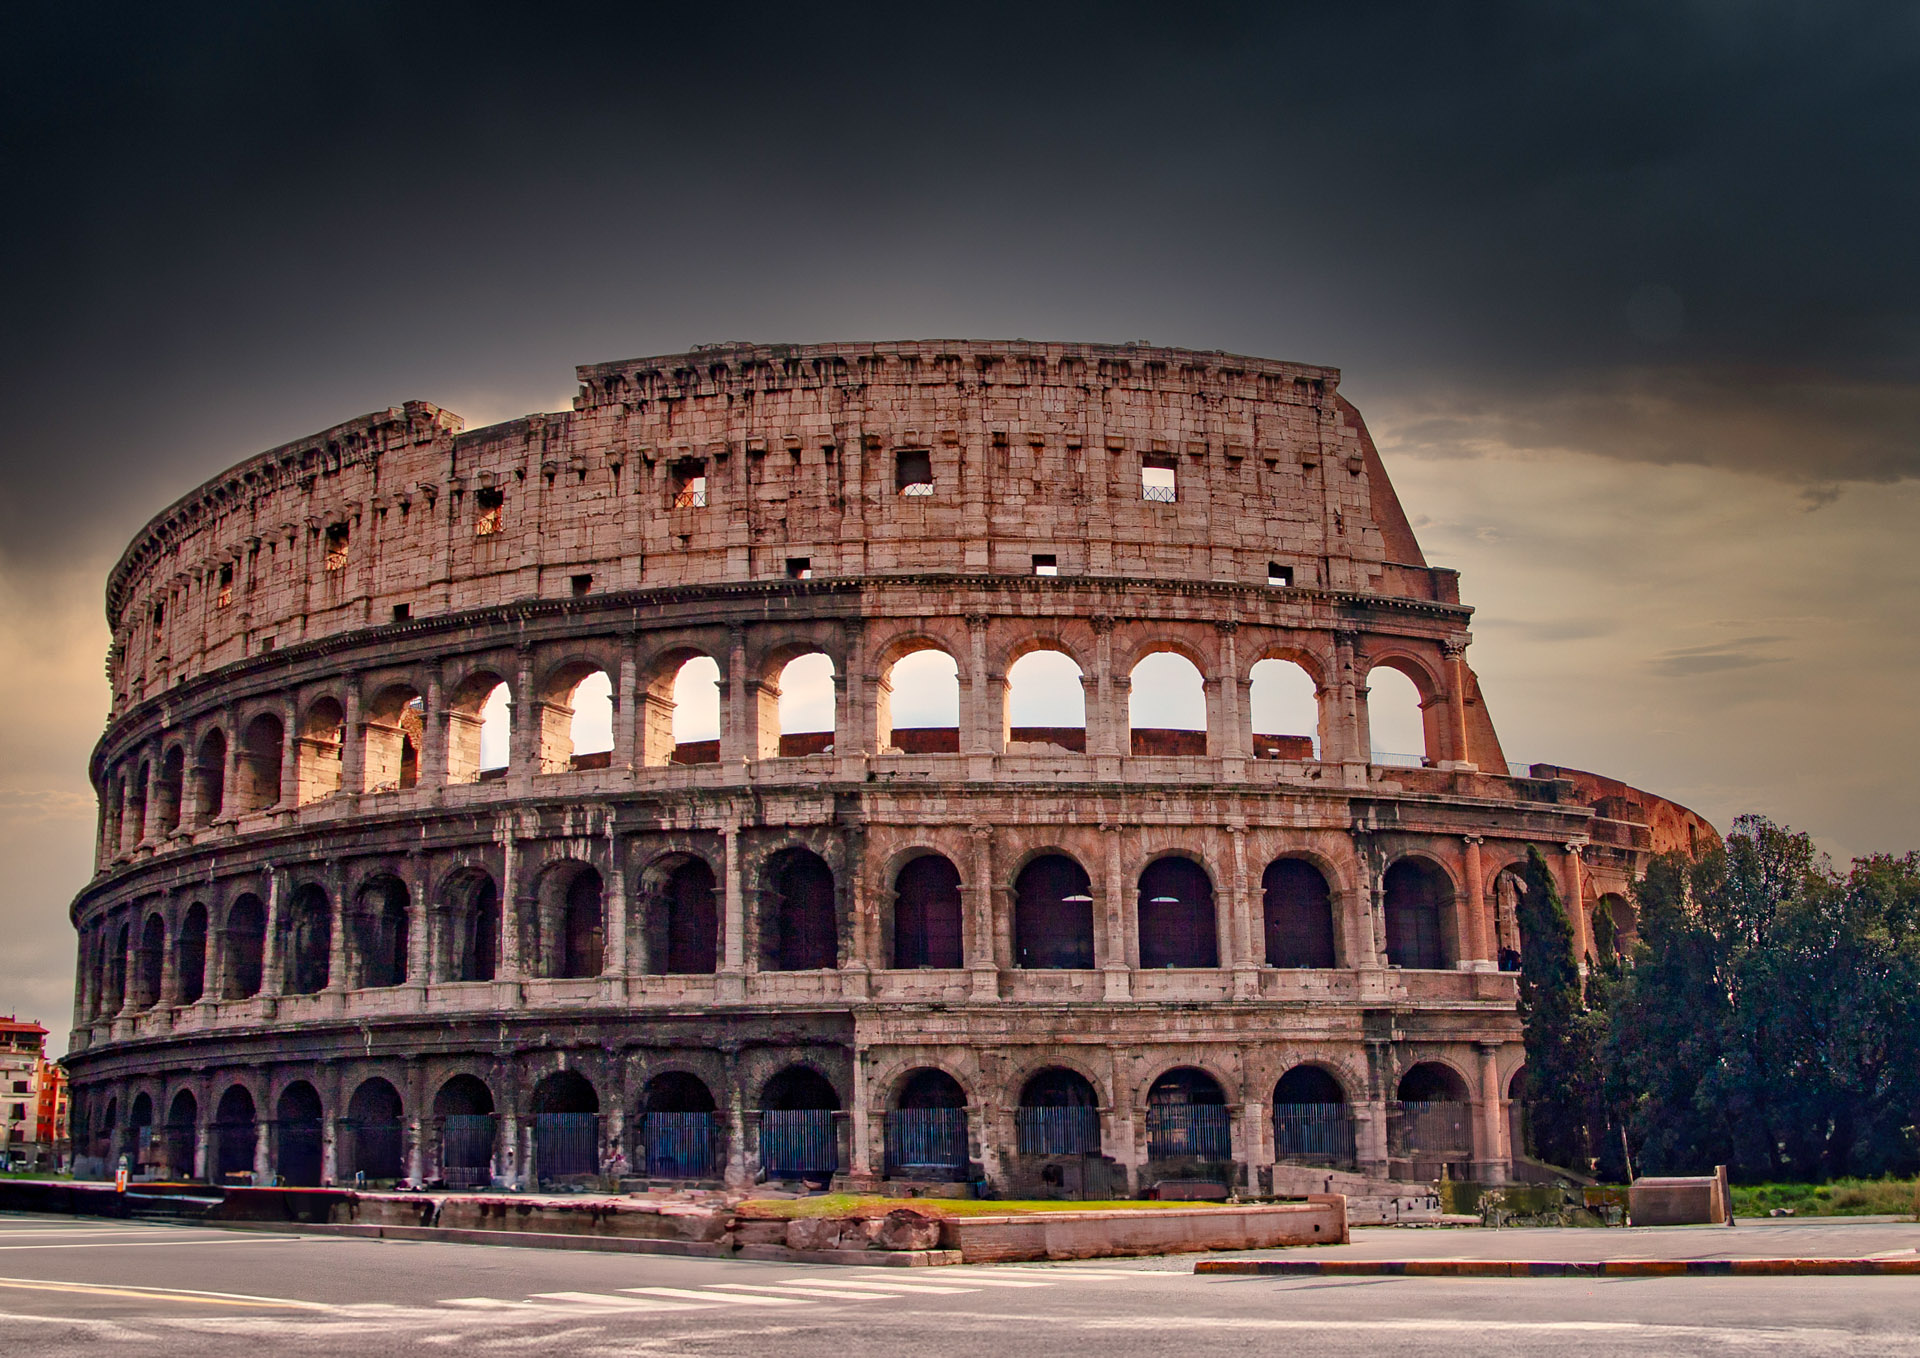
870 1205
1841 1198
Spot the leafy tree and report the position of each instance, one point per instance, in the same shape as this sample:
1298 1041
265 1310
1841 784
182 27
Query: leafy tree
1562 1037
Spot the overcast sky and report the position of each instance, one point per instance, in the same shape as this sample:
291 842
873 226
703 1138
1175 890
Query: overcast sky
1627 293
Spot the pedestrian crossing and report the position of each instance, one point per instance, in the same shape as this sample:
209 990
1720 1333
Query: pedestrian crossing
806 1290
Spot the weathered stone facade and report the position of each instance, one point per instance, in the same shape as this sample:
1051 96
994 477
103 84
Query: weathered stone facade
308 888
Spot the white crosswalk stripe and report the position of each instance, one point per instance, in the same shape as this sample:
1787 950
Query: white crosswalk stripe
724 1299
876 1286
803 1289
617 1303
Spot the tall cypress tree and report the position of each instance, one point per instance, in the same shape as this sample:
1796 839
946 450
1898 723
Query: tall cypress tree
1561 1069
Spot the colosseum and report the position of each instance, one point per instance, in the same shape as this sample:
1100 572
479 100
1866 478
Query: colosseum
940 762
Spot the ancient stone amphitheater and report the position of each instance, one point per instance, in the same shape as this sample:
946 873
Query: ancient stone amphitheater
455 826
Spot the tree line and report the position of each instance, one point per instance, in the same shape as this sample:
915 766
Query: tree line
1765 1017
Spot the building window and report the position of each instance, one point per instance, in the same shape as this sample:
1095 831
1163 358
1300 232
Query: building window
582 584
159 616
799 568
913 472
336 547
1046 563
1279 575
489 512
226 585
1158 479
402 612
690 484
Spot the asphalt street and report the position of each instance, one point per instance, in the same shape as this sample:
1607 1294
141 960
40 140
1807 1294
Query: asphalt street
82 1286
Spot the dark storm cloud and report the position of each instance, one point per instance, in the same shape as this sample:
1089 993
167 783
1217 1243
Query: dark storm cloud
234 225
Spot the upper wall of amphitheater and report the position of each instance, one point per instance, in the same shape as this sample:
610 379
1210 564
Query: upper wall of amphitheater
752 462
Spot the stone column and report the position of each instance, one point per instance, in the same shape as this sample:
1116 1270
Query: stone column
1352 743
338 956
614 956
1492 1152
981 719
1122 950
416 1123
730 985
272 969
436 734
1475 931
1237 947
1576 890
289 797
1107 732
1230 737
629 735
420 959
1456 649
509 969
262 1146
859 1160
739 733
353 727
982 954
230 775
169 995
524 720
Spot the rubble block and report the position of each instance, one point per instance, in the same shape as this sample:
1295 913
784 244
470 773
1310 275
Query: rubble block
625 1218
1699 1200
1320 1220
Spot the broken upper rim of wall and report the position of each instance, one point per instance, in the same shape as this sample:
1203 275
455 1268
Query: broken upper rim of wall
739 366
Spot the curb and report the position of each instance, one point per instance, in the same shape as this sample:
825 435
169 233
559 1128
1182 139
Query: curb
1598 1268
605 1244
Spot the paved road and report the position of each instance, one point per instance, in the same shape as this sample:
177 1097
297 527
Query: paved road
72 1287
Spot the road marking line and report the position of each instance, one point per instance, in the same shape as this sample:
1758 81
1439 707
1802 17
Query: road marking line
711 1300
163 1294
976 1280
808 1289
179 1244
609 1302
490 1304
1069 1271
880 1286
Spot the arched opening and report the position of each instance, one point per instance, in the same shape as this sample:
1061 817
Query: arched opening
190 968
233 1137
109 1134
152 959
1046 704
799 930
261 746
307 941
1176 918
683 715
375 1133
679 1134
209 790
1616 927
566 1127
1509 889
801 703
918 704
472 926
180 1135
1519 1094
1312 1122
1059 1114
297 1134
479 728
170 792
117 969
1187 1117
1416 895
323 739
380 927
395 732
926 913
463 1110
114 815
1285 706
927 1129
1395 718
796 1125
245 940
1432 1122
1298 912
1052 915
576 721
683 922
572 921
137 803
141 1152
1167 706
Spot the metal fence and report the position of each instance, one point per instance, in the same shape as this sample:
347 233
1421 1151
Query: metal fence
566 1144
1431 1129
1067 1130
1188 1131
798 1141
297 1152
466 1149
927 1142
679 1145
1313 1131
176 1141
233 1144
372 1149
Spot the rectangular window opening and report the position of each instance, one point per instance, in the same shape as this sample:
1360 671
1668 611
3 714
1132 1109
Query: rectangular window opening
490 512
690 484
1279 575
913 471
402 612
266 644
582 586
1159 479
337 547
1046 563
799 568
226 585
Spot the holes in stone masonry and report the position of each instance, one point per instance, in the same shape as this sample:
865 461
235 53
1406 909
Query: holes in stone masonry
1285 708
918 704
688 484
489 511
403 612
223 597
913 471
338 538
1279 576
1046 703
799 568
1167 706
803 708
1395 718
1159 478
1046 563
581 585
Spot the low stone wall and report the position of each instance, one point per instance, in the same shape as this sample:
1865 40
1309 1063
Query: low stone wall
1320 1220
